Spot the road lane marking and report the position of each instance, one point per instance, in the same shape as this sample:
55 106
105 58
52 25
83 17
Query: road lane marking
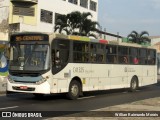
86 97
125 92
138 90
8 107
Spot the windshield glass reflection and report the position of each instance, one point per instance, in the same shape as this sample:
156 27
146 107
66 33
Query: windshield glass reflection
29 57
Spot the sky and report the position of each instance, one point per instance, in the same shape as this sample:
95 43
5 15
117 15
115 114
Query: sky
124 16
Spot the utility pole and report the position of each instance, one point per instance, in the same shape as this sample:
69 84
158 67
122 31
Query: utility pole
118 37
100 35
105 34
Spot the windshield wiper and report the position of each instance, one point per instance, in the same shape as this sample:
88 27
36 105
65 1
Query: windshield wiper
29 56
26 73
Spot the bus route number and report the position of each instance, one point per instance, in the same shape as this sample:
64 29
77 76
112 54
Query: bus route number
78 69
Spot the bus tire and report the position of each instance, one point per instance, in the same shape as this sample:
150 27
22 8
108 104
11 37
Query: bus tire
134 84
74 90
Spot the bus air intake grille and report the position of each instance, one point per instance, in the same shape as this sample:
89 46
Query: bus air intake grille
23 88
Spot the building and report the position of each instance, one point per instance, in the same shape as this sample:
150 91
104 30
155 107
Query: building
155 41
4 17
40 15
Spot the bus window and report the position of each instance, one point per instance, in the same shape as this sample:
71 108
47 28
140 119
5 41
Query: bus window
56 58
60 54
97 53
151 57
100 58
122 55
133 53
93 48
143 56
80 52
111 54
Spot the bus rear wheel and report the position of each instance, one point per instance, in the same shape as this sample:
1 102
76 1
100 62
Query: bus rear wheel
134 84
74 90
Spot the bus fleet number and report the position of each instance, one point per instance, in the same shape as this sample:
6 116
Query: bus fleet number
78 69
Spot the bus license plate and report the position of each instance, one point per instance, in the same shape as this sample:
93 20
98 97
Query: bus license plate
23 87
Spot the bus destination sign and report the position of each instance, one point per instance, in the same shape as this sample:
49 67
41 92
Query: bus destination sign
29 38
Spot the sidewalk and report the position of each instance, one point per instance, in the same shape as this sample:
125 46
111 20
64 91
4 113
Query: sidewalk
3 84
144 106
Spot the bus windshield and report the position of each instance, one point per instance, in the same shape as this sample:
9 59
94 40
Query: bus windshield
29 57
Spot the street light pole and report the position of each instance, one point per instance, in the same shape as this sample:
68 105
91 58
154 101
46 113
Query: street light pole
117 37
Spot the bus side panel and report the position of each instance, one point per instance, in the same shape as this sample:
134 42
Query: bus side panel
59 83
135 70
99 79
149 75
83 72
118 76
72 72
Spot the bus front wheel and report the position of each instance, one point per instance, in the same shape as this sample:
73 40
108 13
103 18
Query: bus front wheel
74 90
134 84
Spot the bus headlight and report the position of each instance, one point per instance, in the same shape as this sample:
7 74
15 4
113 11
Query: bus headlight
41 81
10 80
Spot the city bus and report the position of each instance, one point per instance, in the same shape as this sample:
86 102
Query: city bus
48 63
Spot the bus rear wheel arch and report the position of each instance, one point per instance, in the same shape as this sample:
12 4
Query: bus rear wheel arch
75 90
134 84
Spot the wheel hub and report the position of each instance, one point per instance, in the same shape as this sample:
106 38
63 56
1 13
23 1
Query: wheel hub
74 90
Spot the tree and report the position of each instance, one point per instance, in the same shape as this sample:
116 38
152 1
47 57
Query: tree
135 37
73 21
61 24
84 18
88 27
76 23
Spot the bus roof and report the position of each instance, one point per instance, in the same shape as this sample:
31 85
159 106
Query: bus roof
103 41
83 38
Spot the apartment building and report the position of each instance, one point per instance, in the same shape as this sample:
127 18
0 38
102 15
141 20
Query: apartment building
4 17
40 15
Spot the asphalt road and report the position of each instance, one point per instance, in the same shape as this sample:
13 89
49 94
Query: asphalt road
91 101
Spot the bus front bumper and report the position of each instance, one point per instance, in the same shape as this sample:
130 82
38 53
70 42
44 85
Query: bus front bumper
43 88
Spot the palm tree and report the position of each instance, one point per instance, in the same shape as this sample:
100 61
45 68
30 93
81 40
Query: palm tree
76 23
89 27
84 18
61 24
135 37
73 21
